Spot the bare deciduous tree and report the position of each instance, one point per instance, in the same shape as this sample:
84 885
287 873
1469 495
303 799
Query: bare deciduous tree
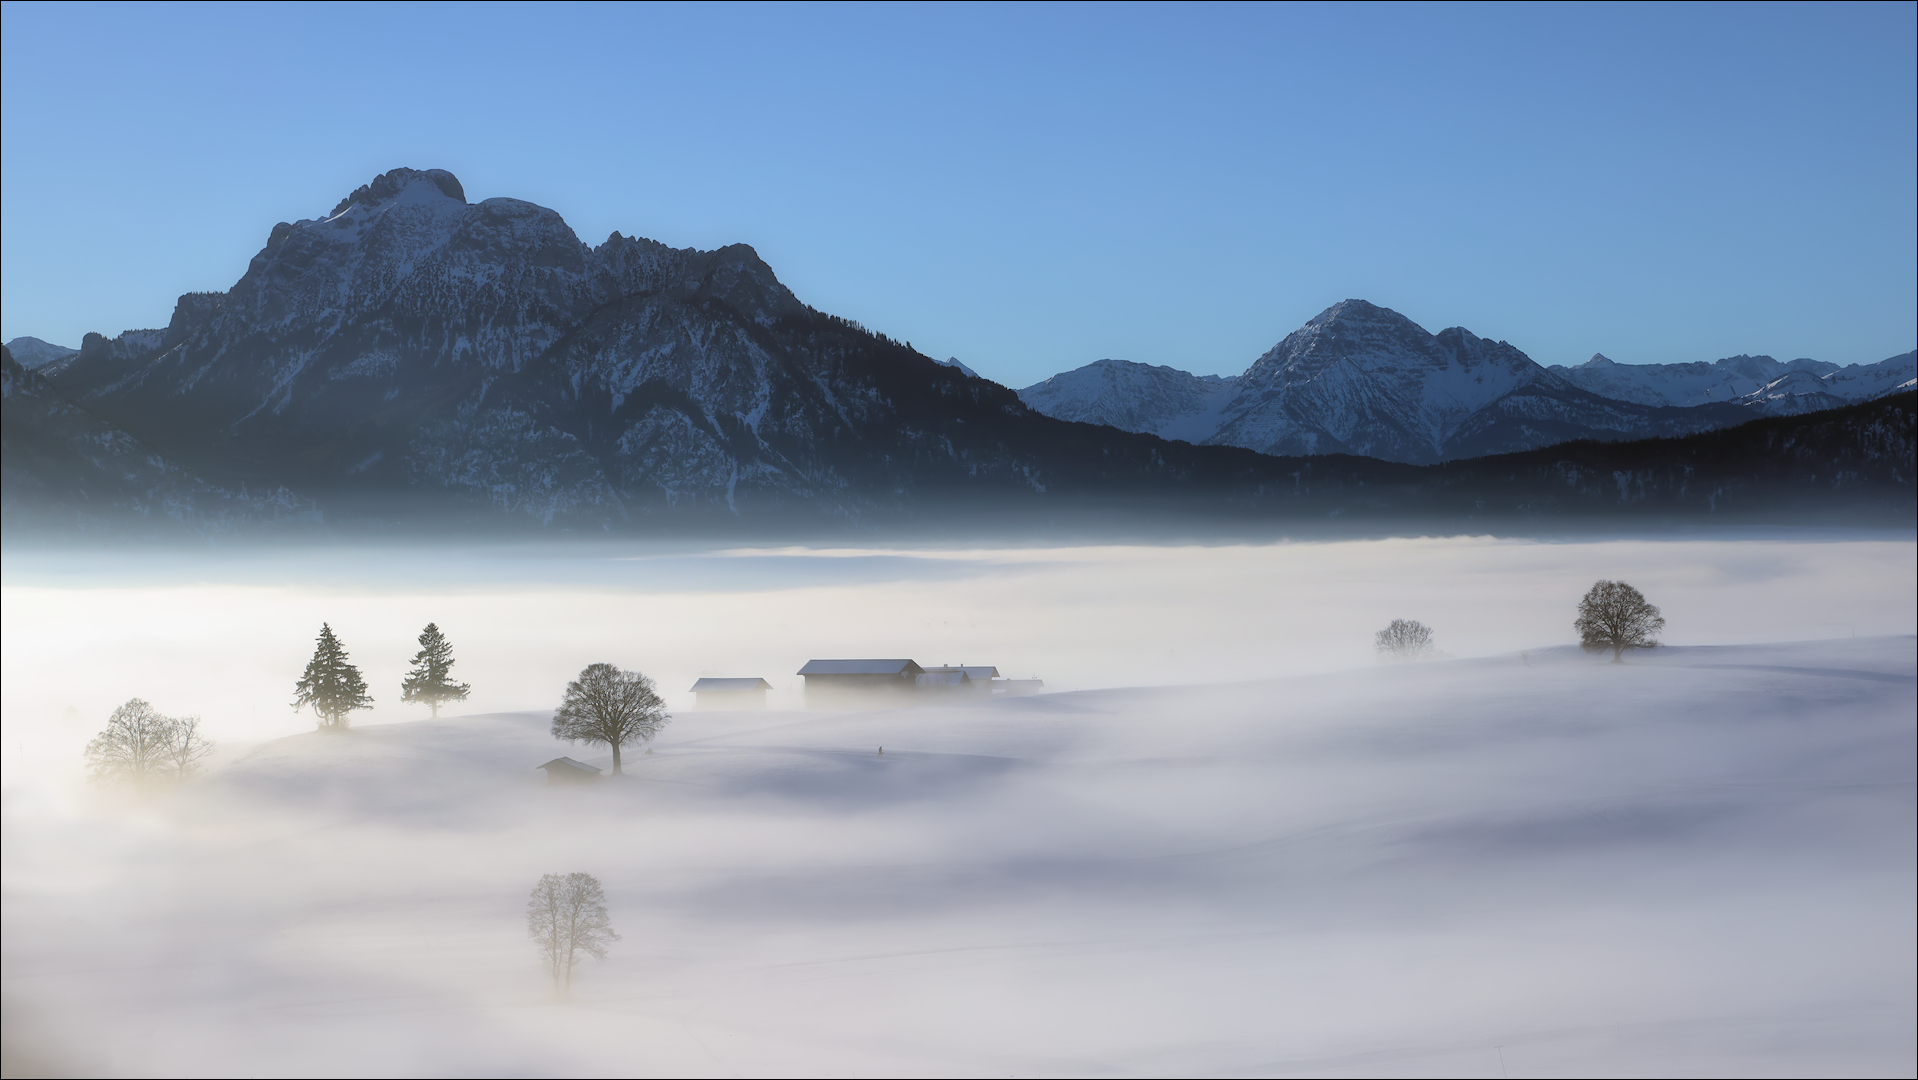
1614 616
1404 640
609 706
186 747
565 917
140 747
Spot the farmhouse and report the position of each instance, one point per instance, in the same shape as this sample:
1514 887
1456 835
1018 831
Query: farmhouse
834 682
730 693
564 770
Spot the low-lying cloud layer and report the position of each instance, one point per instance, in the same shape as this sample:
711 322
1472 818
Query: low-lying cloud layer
1700 861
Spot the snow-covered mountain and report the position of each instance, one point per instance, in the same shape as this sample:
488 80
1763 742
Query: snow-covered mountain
1767 386
33 354
1162 401
1362 379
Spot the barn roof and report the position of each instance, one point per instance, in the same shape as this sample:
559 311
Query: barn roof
949 677
568 765
730 685
860 667
975 672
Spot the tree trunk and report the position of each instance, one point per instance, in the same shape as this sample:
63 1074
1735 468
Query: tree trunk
436 709
616 769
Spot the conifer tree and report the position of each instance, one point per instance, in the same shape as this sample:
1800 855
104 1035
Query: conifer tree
431 679
331 685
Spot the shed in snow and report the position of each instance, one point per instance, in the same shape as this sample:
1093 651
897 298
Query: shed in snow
731 693
564 770
834 682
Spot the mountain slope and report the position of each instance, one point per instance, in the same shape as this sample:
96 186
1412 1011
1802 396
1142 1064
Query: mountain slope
61 466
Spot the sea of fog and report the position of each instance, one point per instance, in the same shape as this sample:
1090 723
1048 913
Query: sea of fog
1225 841
226 633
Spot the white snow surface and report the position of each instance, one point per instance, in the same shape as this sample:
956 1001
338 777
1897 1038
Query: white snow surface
1700 862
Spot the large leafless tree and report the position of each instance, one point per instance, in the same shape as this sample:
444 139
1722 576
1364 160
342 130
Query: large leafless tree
1403 640
567 916
141 747
611 707
1614 617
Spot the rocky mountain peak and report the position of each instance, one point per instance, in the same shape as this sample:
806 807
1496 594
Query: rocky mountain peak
391 185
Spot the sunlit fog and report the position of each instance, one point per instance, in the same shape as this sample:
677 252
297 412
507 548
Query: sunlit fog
1222 838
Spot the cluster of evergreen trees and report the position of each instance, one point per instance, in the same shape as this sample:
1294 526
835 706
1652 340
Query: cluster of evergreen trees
334 687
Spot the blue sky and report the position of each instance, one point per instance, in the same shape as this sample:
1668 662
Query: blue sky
1029 188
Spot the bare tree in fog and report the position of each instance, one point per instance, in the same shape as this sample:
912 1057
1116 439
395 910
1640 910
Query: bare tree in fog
331 685
1617 617
186 746
431 679
1403 640
140 746
565 917
609 706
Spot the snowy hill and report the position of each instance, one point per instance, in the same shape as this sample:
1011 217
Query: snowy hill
1697 863
1362 379
1767 386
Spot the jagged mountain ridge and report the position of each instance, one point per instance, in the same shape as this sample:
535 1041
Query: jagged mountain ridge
410 352
1764 385
1362 379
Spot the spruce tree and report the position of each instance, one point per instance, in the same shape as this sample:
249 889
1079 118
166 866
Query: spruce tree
431 679
331 685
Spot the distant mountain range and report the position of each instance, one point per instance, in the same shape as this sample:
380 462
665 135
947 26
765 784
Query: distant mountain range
1362 379
412 358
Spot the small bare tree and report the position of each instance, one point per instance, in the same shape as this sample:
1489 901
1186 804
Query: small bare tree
186 747
609 706
1615 617
1403 641
565 917
140 747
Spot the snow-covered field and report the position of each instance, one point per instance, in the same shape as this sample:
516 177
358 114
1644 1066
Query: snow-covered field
1525 862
